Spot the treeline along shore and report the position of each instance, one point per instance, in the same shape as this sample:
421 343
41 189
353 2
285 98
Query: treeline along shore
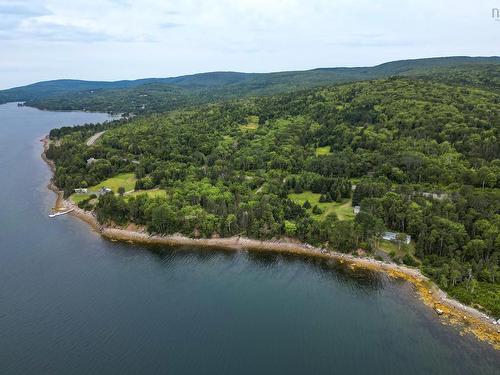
468 319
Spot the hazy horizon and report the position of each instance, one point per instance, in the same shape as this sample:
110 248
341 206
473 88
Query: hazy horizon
109 40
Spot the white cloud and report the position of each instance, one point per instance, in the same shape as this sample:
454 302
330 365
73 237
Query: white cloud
113 39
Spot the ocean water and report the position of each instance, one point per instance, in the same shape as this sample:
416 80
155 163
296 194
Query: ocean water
73 303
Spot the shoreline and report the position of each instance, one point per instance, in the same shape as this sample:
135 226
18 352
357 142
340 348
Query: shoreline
22 104
468 319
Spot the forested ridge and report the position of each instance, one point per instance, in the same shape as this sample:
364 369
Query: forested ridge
164 94
420 156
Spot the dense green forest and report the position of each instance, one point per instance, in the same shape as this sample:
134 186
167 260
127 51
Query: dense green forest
420 156
165 94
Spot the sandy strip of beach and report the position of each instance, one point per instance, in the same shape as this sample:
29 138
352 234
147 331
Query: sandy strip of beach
468 319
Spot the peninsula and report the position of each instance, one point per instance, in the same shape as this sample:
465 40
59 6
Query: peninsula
397 174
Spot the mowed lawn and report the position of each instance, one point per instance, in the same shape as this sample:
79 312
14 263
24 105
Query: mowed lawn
394 251
127 180
77 198
343 209
392 247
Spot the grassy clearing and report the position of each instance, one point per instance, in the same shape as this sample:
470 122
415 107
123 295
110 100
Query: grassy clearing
151 193
326 150
343 209
394 251
248 127
77 198
392 247
127 180
251 125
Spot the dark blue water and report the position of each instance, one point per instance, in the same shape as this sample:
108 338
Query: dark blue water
72 303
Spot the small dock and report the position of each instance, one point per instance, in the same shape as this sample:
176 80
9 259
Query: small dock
56 214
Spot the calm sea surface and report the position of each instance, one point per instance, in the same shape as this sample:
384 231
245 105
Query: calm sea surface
73 303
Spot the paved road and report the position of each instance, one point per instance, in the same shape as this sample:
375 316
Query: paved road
94 138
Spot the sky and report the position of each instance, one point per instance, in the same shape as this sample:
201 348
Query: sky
126 39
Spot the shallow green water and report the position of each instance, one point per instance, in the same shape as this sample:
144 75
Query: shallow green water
72 303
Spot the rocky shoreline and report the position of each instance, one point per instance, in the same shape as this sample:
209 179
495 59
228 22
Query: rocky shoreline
468 319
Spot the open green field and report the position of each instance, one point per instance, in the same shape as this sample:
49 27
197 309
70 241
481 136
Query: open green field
389 246
251 125
343 210
151 193
127 180
77 198
323 150
399 253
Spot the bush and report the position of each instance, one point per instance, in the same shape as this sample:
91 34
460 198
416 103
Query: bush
316 210
85 204
409 261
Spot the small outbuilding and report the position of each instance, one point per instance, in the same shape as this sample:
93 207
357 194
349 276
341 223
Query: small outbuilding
91 161
393 236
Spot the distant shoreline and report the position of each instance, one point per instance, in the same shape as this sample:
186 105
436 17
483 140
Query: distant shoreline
115 116
469 320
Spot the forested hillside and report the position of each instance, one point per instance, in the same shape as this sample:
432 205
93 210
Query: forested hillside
419 157
63 87
165 94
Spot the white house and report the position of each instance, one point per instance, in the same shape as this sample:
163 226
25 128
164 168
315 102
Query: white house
105 190
437 196
81 191
393 236
356 209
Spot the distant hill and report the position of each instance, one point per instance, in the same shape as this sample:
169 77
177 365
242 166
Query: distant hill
163 94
